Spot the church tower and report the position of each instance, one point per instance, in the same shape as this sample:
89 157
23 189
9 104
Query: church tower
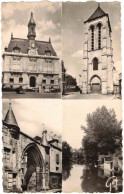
97 73
11 123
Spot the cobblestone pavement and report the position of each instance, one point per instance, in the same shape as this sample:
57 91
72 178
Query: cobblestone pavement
77 95
30 95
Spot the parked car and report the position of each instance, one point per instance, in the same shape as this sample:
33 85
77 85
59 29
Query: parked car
20 90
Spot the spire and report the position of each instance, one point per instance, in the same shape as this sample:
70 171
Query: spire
10 117
11 35
31 21
31 28
98 13
44 138
49 39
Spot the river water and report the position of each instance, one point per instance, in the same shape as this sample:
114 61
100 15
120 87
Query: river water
80 178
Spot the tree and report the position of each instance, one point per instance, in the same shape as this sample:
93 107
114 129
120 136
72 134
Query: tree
102 132
66 152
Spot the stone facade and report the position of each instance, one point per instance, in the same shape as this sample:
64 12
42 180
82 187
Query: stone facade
31 63
97 73
29 163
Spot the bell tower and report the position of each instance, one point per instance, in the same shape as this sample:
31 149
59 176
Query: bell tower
97 75
31 28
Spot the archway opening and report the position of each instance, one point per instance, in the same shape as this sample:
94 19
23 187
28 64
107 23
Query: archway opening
32 169
32 81
95 84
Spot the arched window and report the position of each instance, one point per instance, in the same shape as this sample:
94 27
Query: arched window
99 36
92 37
95 64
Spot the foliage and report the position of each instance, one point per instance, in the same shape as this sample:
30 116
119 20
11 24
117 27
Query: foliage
103 133
66 152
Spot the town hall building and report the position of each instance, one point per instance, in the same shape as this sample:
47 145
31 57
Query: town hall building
98 63
31 63
30 164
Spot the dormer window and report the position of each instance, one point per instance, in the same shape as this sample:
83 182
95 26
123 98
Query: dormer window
16 50
48 52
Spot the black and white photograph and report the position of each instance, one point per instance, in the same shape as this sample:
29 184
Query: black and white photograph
31 50
91 50
92 146
32 146
61 96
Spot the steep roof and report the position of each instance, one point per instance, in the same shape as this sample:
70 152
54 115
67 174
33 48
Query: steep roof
23 44
97 13
10 118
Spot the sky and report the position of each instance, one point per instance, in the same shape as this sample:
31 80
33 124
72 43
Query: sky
47 15
60 21
75 113
73 17
31 114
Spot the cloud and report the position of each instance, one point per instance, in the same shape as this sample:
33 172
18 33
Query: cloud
33 113
78 54
8 9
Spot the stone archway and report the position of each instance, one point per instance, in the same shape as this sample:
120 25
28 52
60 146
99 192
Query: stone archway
32 81
95 84
32 168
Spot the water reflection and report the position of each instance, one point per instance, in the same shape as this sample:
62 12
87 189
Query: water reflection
93 180
66 171
81 178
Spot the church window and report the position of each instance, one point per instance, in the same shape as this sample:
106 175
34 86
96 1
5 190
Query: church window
95 64
20 79
11 80
99 36
92 37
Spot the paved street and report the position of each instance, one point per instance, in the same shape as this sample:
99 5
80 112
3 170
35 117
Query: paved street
94 96
30 95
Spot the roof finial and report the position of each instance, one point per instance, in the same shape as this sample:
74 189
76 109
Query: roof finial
98 4
10 103
11 35
49 39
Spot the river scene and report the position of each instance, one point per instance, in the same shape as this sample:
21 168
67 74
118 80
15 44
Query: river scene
81 178
92 148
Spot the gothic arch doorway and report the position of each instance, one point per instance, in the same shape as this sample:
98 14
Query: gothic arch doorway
32 81
95 83
32 168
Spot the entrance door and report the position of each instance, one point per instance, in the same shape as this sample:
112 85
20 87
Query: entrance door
32 81
96 88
